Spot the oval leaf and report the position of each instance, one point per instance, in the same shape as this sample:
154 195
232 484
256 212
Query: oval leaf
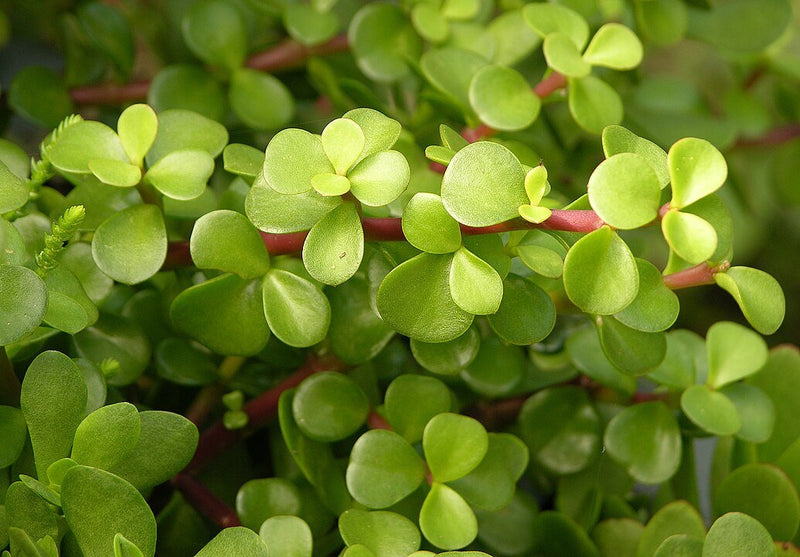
428 226
446 519
696 169
334 248
625 191
454 445
758 294
296 310
225 240
474 284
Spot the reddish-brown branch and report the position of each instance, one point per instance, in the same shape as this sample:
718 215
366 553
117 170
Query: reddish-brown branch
282 244
777 136
284 55
204 500
497 414
260 411
694 276
376 421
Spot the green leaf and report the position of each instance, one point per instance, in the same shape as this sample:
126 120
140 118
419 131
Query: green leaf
509 530
474 284
586 353
131 245
526 314
756 410
429 22
446 519
625 191
383 469
503 99
183 130
447 358
97 505
555 18
380 178
594 104
412 400
614 46
257 500
216 33
23 302
296 310
380 131
26 510
632 351
83 142
600 273
617 536
330 185
110 32
13 433
137 128
385 533
696 169
758 294
293 157
734 352
40 95
757 23
234 541
655 307
165 446
414 299
646 440
329 406
679 367
288 536
13 191
118 338
125 548
356 333
183 362
243 160
308 25
190 88
663 22
181 174
225 240
680 545
334 248
512 38
277 213
561 428
225 313
450 70
675 518
77 258
738 534
53 400
689 236
454 445
710 410
497 369
556 534
428 226
106 436
343 141
68 307
765 493
484 184
115 173
260 100
383 40
563 56
617 139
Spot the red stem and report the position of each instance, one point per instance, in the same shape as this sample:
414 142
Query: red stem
376 421
694 276
777 136
204 500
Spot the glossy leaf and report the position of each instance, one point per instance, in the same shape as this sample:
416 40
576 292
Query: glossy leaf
563 56
734 352
779 379
383 469
477 196
756 410
226 304
115 173
343 141
356 333
474 284
257 500
379 178
617 139
286 536
185 130
758 294
225 240
329 406
293 157
454 445
497 369
215 32
271 211
184 362
243 160
137 128
679 367
646 440
689 236
415 300
334 248
710 410
428 226
737 533
450 70
600 273
617 536
187 87
23 302
13 433
260 100
181 174
385 533
551 18
309 25
696 169
503 99
594 104
675 518
655 307
110 31
297 312
13 191
614 46
631 350
555 534
68 307
446 519
106 436
412 400
447 358
380 131
131 245
234 541
526 314
625 191
83 142
123 547
383 39
97 505
587 355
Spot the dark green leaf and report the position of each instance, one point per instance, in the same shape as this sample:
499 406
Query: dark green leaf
23 302
757 22
356 333
13 434
617 537
329 406
117 338
447 358
28 511
187 87
497 369
110 31
556 535
412 400
41 95
756 410
526 314
382 40
587 355
215 31
260 100
258 500
450 70
183 362
632 351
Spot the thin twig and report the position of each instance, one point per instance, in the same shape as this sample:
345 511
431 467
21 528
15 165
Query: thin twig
205 501
694 276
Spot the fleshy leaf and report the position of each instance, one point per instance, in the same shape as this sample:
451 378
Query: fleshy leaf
188 87
225 240
115 173
696 169
329 406
447 358
617 139
243 160
614 46
632 351
180 130
758 294
587 355
261 498
594 104
655 307
277 213
503 99
334 248
474 284
450 70
329 184
526 314
106 436
675 518
137 128
343 141
412 400
234 541
734 352
260 100
23 302
14 433
625 191
496 370
309 25
82 142
689 236
380 131
454 445
756 410
216 33
385 533
293 157
737 533
288 536
380 178
710 410
563 56
551 18
296 310
181 174
428 226
13 191
446 519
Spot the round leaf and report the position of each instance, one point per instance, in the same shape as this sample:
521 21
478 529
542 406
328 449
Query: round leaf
224 313
13 191
526 314
632 351
119 338
334 248
614 46
555 533
183 362
594 104
756 410
308 25
296 310
260 100
181 174
737 534
675 518
655 307
414 299
689 236
329 406
380 131
710 410
226 240
40 94
13 433
82 142
137 127
234 541
446 519
586 353
617 139
286 536
447 358
385 533
412 400
474 284
758 294
696 169
380 178
734 352
258 500
547 18
484 184
503 99
383 39
106 436
450 70
428 226
497 369
185 130
600 273
343 141
383 469
625 191
277 213
563 56
115 173
646 440
216 33
293 157
23 302
187 87
454 445
764 492
131 245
